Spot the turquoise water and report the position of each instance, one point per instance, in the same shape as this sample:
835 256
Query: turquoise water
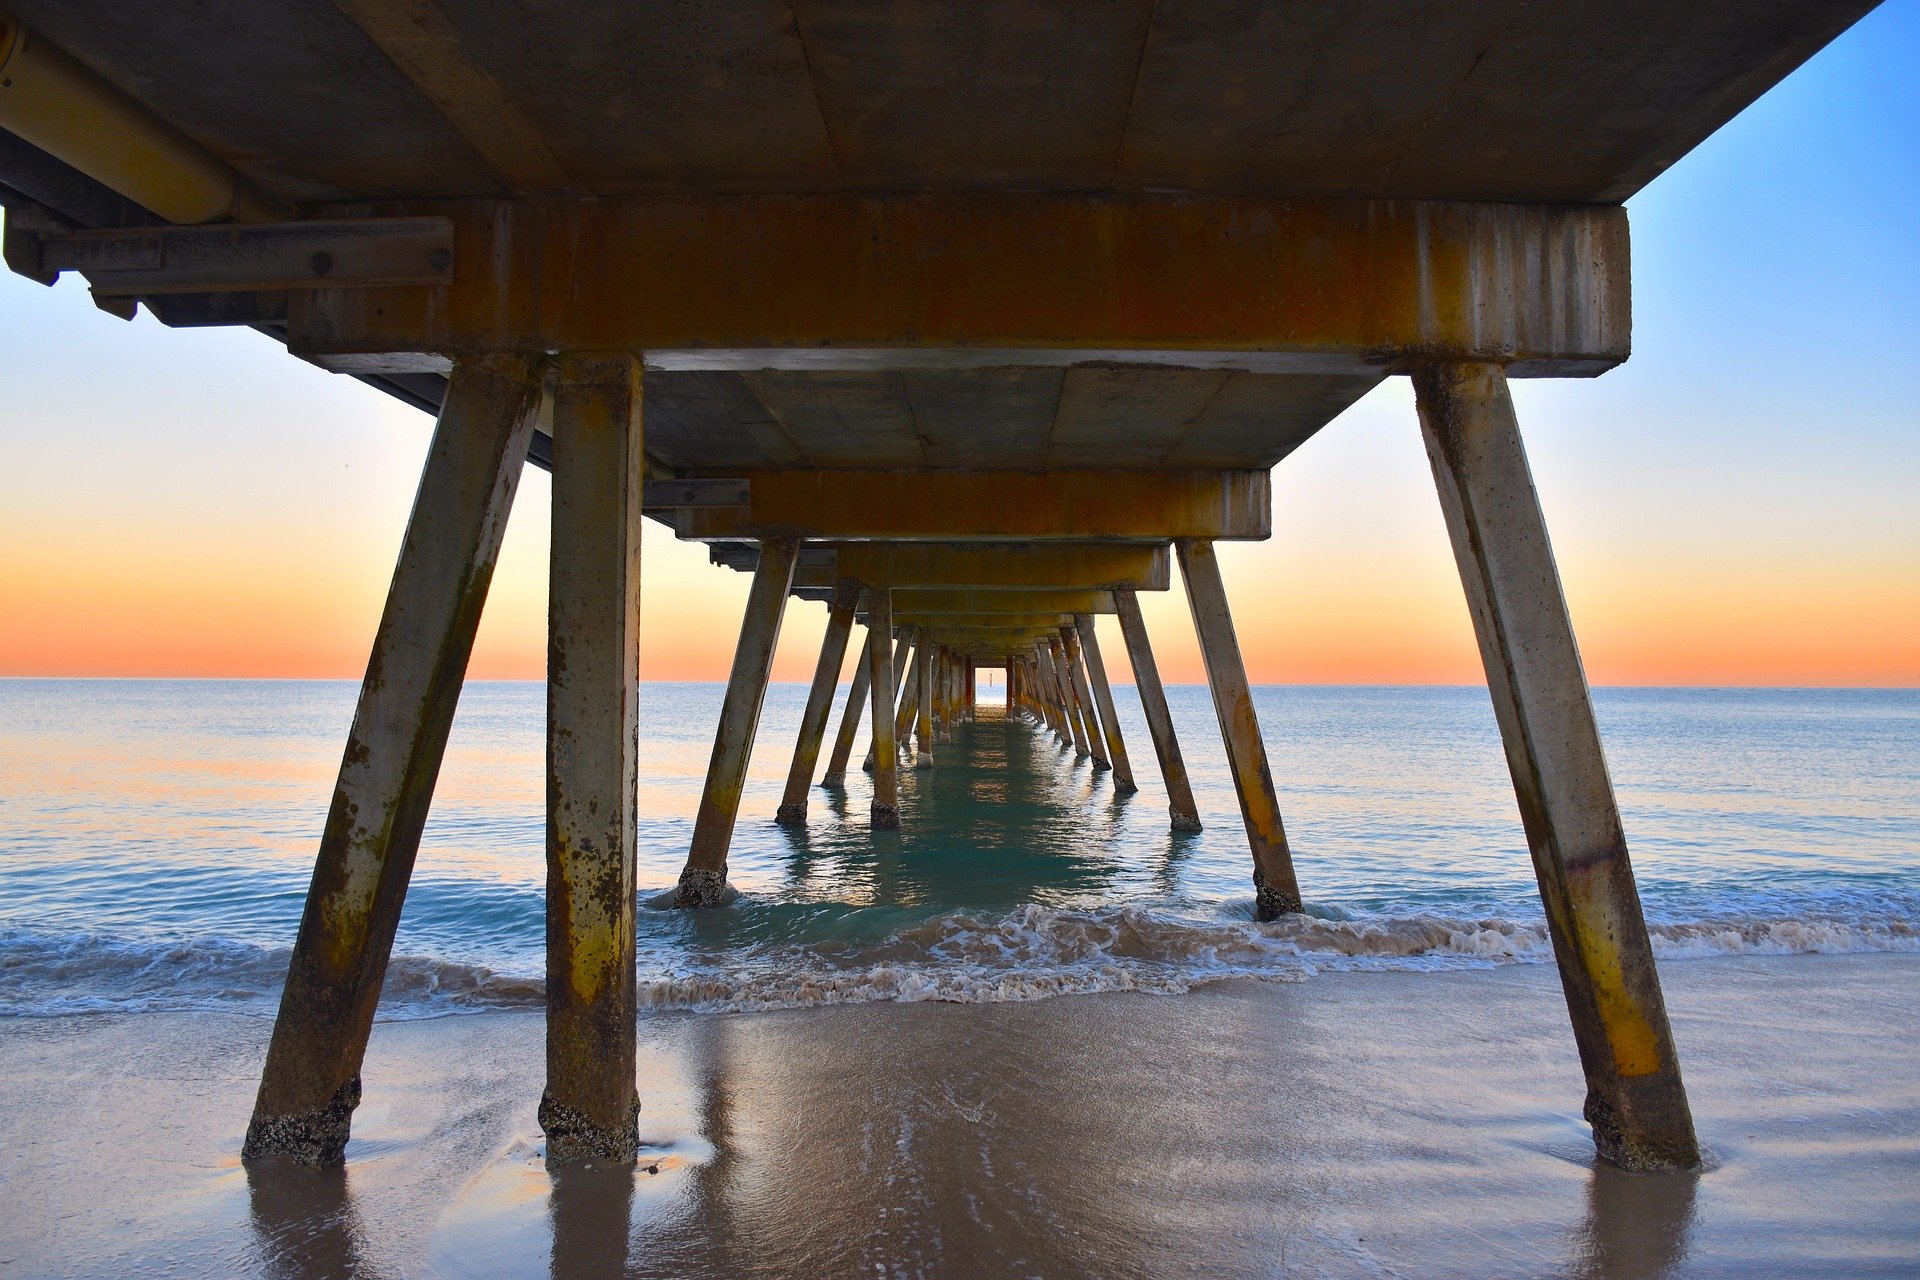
156 838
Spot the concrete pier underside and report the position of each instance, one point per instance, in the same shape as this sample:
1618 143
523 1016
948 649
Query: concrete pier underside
958 322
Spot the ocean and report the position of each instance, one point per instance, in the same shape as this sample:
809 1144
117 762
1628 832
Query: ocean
156 839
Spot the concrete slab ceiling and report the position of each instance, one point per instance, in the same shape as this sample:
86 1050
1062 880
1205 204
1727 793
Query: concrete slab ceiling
337 104
1433 99
998 417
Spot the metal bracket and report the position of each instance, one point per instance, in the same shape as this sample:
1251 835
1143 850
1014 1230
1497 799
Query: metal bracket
663 495
26 229
745 556
137 261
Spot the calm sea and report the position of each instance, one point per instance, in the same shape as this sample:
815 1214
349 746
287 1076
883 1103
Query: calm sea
156 838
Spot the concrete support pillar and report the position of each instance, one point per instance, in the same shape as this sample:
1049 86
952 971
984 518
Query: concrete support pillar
1081 696
589 1109
973 694
901 703
886 783
813 721
940 709
1066 663
836 775
311 1081
1070 676
1062 699
944 704
704 881
1103 701
907 672
924 674
1183 814
1083 699
1636 1100
1056 701
1276 892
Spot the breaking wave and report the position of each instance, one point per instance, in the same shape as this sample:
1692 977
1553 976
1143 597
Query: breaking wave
1037 952
47 974
1031 953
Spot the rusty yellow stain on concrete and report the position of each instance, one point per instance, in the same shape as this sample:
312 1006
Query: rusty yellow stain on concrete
1635 1044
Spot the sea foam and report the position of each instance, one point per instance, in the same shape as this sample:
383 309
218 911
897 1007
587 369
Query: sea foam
1030 953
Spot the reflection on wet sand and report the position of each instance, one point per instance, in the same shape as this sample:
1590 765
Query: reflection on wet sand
590 1212
304 1222
1360 1125
991 1142
1639 1225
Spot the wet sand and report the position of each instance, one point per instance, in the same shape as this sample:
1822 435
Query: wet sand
1352 1125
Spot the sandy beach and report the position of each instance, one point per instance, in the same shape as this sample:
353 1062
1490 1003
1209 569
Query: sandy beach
1353 1125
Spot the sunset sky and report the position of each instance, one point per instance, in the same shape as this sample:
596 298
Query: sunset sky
1739 504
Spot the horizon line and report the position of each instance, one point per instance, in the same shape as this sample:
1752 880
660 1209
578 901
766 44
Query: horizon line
1171 684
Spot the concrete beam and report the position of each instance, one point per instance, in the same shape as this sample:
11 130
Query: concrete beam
666 495
1636 1100
927 602
921 566
311 1082
1017 637
590 1109
865 281
945 622
892 505
427 48
125 262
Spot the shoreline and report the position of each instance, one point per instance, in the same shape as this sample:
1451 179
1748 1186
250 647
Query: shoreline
966 955
1361 1124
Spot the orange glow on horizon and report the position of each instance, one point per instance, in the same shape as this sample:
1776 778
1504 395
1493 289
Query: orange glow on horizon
264 551
181 607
